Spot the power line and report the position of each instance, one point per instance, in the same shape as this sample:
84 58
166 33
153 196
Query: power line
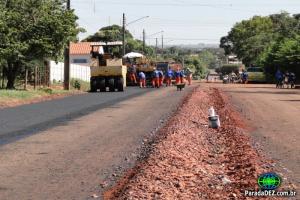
191 39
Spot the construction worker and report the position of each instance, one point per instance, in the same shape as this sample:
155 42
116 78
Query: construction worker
132 74
178 76
142 78
182 75
169 77
155 78
161 78
189 75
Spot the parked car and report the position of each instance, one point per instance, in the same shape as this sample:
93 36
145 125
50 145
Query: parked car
256 74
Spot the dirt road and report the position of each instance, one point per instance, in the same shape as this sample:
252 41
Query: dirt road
274 115
74 159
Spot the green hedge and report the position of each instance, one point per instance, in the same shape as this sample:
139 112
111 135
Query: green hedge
228 68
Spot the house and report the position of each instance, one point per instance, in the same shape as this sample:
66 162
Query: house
80 53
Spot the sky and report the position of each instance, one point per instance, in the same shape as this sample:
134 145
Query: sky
182 21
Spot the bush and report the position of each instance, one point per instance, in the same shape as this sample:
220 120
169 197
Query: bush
46 90
80 84
77 85
228 68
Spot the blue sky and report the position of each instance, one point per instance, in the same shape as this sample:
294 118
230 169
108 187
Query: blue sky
183 21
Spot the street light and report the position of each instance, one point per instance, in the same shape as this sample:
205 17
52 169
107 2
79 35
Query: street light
124 28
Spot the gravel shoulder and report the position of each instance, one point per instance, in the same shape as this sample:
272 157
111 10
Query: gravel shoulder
188 160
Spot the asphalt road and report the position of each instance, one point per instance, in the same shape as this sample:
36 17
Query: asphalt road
21 121
81 142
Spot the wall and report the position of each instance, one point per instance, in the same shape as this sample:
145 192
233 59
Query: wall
76 72
87 57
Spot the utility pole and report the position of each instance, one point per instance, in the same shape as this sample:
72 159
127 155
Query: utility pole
124 29
67 59
162 44
144 41
156 47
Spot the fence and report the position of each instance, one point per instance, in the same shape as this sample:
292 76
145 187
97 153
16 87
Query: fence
76 72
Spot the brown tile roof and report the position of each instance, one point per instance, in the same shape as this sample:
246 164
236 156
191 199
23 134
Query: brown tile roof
80 48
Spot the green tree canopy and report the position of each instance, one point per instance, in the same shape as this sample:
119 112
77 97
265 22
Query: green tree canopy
108 34
114 33
271 42
33 30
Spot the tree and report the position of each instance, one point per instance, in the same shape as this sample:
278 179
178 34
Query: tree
108 34
226 44
114 33
33 30
271 42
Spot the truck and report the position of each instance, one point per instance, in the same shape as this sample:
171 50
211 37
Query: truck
107 69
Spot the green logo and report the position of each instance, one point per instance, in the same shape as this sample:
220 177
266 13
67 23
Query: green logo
269 181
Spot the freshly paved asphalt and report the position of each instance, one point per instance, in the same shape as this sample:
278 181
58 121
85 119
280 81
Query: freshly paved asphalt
22 121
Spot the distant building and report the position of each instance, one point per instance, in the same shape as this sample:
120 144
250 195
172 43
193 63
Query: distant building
233 59
212 76
80 53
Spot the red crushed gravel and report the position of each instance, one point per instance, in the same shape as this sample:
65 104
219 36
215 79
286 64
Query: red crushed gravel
192 161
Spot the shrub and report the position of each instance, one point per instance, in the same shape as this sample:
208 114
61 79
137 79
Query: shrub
80 84
46 90
228 68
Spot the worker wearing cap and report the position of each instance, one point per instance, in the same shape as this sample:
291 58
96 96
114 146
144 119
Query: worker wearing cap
161 78
155 78
169 77
142 78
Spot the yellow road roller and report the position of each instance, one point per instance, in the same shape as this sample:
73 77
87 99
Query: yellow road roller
107 70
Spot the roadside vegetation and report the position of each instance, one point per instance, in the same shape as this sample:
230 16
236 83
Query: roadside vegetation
10 98
32 32
271 42
28 94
